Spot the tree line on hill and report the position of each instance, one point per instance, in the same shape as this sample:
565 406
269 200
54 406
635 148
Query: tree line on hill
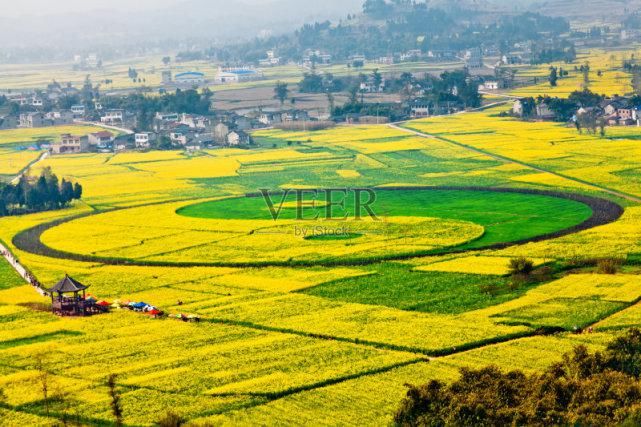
394 27
44 193
584 388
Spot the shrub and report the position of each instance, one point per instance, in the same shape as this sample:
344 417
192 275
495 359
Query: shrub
608 265
582 389
521 266
170 419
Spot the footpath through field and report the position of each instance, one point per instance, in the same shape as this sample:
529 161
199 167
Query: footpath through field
20 269
518 162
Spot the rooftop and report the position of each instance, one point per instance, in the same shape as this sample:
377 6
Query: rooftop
67 285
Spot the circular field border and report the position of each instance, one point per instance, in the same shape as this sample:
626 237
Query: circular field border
603 212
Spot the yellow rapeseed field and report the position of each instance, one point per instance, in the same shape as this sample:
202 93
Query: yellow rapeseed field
267 351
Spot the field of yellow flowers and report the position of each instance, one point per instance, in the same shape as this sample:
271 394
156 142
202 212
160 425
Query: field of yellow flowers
311 344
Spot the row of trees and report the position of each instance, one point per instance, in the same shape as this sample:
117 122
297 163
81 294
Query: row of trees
582 389
35 195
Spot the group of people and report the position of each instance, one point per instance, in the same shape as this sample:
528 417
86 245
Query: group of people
23 272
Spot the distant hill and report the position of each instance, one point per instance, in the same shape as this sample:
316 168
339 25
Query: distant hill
190 19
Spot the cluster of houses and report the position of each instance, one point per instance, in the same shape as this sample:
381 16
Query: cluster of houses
616 111
192 132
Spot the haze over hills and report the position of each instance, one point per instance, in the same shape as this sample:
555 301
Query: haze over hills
168 20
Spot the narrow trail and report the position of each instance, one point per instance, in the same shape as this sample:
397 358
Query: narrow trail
518 162
24 170
20 269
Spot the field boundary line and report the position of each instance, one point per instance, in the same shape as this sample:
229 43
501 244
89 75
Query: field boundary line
505 159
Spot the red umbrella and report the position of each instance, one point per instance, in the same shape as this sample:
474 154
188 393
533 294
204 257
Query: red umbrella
103 304
155 312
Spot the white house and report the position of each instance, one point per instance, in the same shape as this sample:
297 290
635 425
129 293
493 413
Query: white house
419 109
236 138
101 139
489 85
78 110
113 116
144 139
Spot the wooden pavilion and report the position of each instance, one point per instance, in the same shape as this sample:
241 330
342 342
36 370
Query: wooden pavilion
63 304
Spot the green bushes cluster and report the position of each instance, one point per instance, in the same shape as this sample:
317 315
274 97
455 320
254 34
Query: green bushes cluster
584 388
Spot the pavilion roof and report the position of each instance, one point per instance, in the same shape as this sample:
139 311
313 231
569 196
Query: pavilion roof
68 285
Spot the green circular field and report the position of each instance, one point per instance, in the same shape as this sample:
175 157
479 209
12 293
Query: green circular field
505 216
398 223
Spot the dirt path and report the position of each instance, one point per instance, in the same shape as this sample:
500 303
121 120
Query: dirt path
24 170
517 162
20 269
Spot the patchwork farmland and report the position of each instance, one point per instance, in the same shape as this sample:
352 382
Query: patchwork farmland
322 328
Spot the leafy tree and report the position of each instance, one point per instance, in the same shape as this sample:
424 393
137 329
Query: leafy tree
166 60
553 76
281 92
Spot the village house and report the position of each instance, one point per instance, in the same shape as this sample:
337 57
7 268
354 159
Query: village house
143 140
489 85
419 109
543 111
37 102
69 144
386 60
370 86
33 120
269 118
236 138
473 58
78 110
316 57
57 118
221 131
101 139
271 60
411 55
112 117
165 121
195 122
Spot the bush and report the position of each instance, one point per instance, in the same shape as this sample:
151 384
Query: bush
170 419
608 265
521 266
582 389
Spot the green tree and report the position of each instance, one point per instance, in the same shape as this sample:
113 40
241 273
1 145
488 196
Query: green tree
281 92
554 77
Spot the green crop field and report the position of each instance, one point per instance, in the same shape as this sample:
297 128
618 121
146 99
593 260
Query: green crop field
505 217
